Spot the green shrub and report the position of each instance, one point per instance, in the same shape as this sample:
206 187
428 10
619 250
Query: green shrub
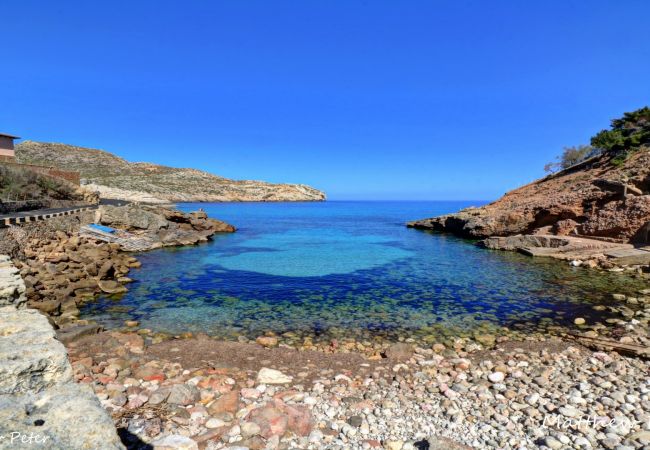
20 183
626 135
571 156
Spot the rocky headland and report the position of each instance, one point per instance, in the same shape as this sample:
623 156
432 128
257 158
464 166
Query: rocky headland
116 178
64 267
594 212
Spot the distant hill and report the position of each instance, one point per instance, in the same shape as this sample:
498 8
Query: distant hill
117 178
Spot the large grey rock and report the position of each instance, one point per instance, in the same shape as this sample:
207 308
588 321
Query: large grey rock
131 217
67 417
40 404
12 287
30 358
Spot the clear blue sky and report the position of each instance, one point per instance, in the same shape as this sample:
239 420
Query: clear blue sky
363 99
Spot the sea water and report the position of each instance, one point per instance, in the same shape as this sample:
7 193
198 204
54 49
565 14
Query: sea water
337 269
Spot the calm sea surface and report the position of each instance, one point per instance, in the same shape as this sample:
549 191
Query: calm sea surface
339 269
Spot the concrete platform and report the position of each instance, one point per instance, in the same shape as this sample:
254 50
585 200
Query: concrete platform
628 256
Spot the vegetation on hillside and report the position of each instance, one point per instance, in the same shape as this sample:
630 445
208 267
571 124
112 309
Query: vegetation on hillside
571 156
21 184
626 136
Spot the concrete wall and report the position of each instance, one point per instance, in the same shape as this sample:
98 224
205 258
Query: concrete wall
7 147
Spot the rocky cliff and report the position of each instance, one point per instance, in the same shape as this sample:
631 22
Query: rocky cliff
597 198
117 178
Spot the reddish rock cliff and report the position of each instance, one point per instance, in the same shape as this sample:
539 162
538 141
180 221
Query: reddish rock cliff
595 198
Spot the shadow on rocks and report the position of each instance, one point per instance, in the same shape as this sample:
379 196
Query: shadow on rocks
131 441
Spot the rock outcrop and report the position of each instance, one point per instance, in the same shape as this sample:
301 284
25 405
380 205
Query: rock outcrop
40 405
63 270
162 227
597 199
12 287
117 178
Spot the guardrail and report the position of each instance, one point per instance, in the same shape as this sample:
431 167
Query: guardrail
26 217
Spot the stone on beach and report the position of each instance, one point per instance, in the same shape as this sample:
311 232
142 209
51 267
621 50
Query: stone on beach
174 442
183 394
272 376
267 341
496 377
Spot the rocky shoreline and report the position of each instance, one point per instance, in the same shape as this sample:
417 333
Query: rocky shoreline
64 270
38 396
510 391
593 214
198 393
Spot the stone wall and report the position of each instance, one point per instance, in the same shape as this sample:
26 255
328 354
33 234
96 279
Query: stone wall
14 237
40 404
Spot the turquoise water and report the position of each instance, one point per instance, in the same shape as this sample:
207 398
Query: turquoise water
339 269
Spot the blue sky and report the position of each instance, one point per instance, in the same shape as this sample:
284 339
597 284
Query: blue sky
363 99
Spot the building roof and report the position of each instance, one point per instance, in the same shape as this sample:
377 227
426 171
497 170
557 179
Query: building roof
9 136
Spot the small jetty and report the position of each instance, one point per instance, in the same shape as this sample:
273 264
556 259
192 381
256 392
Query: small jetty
127 241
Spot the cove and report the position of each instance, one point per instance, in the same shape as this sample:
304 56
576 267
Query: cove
338 269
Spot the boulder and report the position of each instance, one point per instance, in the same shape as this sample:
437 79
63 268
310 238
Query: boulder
37 393
51 307
107 270
111 287
131 217
31 359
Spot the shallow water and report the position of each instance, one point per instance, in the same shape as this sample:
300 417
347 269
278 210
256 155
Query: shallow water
353 269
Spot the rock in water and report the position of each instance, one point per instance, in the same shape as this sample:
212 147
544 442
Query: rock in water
272 376
111 287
